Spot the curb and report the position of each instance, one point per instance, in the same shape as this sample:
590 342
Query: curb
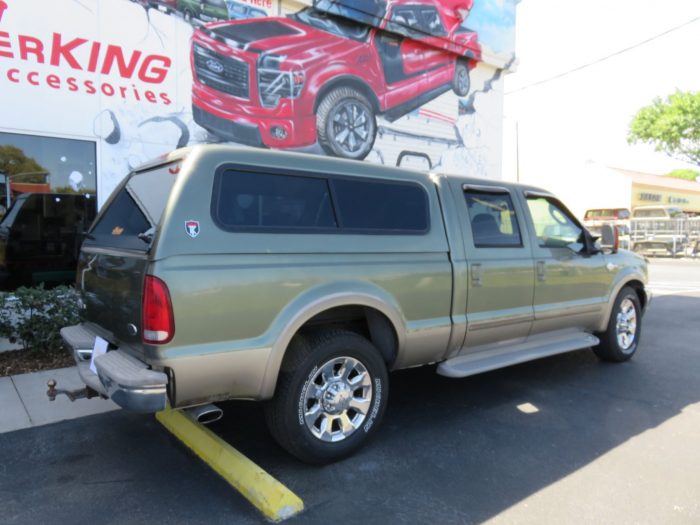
267 494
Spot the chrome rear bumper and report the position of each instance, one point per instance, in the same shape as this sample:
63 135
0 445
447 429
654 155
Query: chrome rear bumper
130 383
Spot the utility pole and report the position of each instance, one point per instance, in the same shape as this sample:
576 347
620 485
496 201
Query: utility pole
517 152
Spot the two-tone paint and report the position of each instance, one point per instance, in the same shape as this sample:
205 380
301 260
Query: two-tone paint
239 298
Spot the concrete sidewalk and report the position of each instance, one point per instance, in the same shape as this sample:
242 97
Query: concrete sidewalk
23 400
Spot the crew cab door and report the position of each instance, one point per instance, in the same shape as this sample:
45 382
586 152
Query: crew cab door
571 286
434 38
404 22
501 275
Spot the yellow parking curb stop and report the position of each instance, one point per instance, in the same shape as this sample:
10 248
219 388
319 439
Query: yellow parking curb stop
270 497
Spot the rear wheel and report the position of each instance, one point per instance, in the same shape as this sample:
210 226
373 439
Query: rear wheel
461 82
619 342
345 124
330 398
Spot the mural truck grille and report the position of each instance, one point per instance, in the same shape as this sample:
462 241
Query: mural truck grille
222 73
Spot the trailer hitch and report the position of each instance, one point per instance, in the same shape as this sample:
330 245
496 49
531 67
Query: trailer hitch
81 393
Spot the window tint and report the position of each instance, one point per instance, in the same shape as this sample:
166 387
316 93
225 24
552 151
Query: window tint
404 21
553 226
431 23
121 223
375 205
643 214
261 200
493 220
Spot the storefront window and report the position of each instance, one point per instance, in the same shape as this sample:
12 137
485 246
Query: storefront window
48 191
33 164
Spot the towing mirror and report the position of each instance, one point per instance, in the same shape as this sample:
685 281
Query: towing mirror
610 238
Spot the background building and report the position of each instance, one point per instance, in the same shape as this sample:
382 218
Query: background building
93 88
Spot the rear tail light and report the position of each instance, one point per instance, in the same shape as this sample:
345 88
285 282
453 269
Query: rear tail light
158 324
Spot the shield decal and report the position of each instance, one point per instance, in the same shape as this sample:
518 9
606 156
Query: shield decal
192 228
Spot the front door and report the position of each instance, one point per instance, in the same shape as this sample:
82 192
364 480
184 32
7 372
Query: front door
501 273
571 286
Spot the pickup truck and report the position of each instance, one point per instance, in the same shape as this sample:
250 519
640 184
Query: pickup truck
320 76
221 272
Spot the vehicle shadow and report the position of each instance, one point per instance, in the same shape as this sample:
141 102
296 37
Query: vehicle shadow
462 451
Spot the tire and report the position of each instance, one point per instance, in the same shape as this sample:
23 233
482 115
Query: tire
305 398
619 342
188 15
346 124
461 82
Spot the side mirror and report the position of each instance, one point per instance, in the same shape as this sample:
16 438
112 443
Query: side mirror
610 238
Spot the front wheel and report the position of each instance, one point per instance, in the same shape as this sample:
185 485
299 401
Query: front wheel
619 342
345 124
330 396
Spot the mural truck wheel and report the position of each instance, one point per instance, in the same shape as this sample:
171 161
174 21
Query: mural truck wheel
461 83
346 124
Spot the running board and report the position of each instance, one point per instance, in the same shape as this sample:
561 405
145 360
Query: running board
471 364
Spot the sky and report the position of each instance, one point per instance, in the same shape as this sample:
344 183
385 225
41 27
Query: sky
583 117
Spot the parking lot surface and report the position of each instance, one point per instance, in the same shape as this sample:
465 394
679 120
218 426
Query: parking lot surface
564 439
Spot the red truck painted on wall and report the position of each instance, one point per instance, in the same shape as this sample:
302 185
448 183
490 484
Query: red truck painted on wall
319 76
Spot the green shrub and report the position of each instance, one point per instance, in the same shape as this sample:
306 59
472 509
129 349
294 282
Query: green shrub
34 317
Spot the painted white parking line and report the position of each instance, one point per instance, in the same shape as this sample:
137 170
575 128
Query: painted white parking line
675 284
659 291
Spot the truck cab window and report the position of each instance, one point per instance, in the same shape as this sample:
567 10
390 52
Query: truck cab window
554 227
493 220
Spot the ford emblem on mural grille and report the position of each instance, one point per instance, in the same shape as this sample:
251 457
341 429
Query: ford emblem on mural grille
215 66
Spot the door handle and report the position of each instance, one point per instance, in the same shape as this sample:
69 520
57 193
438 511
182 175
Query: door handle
476 274
541 271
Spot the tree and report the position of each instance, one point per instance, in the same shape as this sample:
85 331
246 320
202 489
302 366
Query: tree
671 125
13 161
684 174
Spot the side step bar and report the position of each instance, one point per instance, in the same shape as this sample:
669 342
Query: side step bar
471 364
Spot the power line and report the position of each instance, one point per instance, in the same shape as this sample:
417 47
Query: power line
607 57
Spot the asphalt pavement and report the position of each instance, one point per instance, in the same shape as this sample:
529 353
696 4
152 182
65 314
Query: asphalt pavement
567 439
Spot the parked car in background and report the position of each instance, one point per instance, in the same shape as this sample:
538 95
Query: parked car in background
599 215
317 76
222 273
40 238
658 212
595 218
167 6
217 10
659 230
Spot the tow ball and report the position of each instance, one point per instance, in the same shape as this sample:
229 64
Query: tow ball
81 393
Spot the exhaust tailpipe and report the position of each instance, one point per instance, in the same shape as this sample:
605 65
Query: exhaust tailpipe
205 414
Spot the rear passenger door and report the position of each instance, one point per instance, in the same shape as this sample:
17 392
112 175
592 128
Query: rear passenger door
501 271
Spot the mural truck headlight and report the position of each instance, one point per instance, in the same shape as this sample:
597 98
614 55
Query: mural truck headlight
275 83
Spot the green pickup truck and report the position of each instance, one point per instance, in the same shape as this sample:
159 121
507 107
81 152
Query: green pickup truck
220 273
215 10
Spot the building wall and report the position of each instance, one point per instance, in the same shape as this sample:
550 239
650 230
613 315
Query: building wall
117 74
646 195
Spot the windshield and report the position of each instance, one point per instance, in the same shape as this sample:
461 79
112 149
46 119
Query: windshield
332 24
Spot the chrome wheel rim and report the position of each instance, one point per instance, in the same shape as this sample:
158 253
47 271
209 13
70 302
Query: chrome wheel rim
626 325
352 127
337 399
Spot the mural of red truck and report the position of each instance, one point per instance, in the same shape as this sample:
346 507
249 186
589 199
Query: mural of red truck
319 76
